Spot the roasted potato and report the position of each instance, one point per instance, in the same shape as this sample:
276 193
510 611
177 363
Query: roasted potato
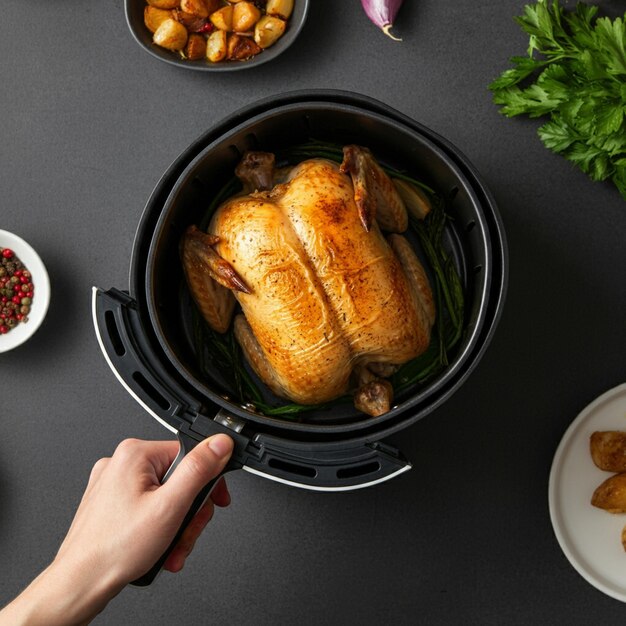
608 450
216 46
223 18
240 48
153 17
185 26
279 8
196 47
198 8
245 16
213 5
164 4
192 23
611 494
171 35
268 30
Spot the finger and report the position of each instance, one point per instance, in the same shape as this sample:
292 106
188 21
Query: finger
187 541
198 467
97 469
163 455
220 494
135 452
175 561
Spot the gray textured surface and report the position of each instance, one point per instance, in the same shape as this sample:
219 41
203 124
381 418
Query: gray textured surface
89 123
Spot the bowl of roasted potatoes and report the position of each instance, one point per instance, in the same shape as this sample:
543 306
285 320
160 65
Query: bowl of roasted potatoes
216 35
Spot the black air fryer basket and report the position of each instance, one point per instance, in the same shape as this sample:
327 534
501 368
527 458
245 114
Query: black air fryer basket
144 332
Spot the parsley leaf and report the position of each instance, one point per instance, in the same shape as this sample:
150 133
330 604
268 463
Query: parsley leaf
575 74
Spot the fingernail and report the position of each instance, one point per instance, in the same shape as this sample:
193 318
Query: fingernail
221 445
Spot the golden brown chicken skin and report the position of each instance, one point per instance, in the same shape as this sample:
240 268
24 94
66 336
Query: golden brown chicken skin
326 297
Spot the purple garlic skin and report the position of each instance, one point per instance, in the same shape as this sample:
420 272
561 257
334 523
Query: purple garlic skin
382 13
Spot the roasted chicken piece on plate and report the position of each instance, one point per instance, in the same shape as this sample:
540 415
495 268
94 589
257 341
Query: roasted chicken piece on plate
608 450
328 303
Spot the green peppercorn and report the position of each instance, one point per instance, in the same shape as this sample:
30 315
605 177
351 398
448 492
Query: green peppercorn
26 301
24 310
3 271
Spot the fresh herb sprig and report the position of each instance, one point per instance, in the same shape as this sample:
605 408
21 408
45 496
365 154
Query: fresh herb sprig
222 352
575 73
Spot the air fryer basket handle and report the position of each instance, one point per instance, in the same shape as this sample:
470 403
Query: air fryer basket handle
186 444
338 469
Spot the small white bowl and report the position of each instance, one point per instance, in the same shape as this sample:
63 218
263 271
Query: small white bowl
41 296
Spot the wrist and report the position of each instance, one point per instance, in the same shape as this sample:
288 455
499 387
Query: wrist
61 596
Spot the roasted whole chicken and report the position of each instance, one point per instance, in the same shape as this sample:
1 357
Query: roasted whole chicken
328 303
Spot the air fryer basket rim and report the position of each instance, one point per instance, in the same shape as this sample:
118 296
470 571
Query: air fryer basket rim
167 179
252 126
152 212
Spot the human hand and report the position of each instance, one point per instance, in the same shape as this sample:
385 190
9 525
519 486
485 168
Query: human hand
127 519
124 523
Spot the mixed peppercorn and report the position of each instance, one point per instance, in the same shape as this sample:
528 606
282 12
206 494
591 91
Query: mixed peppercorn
16 291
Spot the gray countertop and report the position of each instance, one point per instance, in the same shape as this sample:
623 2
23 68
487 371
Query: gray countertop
89 124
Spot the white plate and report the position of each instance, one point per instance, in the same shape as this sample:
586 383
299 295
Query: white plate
589 537
41 296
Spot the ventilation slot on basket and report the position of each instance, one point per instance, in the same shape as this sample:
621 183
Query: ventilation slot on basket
113 333
151 392
292 468
358 470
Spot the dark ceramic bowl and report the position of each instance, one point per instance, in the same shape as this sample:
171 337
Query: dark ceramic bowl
134 18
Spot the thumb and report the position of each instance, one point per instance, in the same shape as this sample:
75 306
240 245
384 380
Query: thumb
198 467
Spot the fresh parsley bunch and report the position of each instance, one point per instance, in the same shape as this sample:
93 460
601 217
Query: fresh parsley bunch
575 72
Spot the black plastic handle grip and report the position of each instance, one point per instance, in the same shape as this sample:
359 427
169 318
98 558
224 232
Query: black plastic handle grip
186 445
